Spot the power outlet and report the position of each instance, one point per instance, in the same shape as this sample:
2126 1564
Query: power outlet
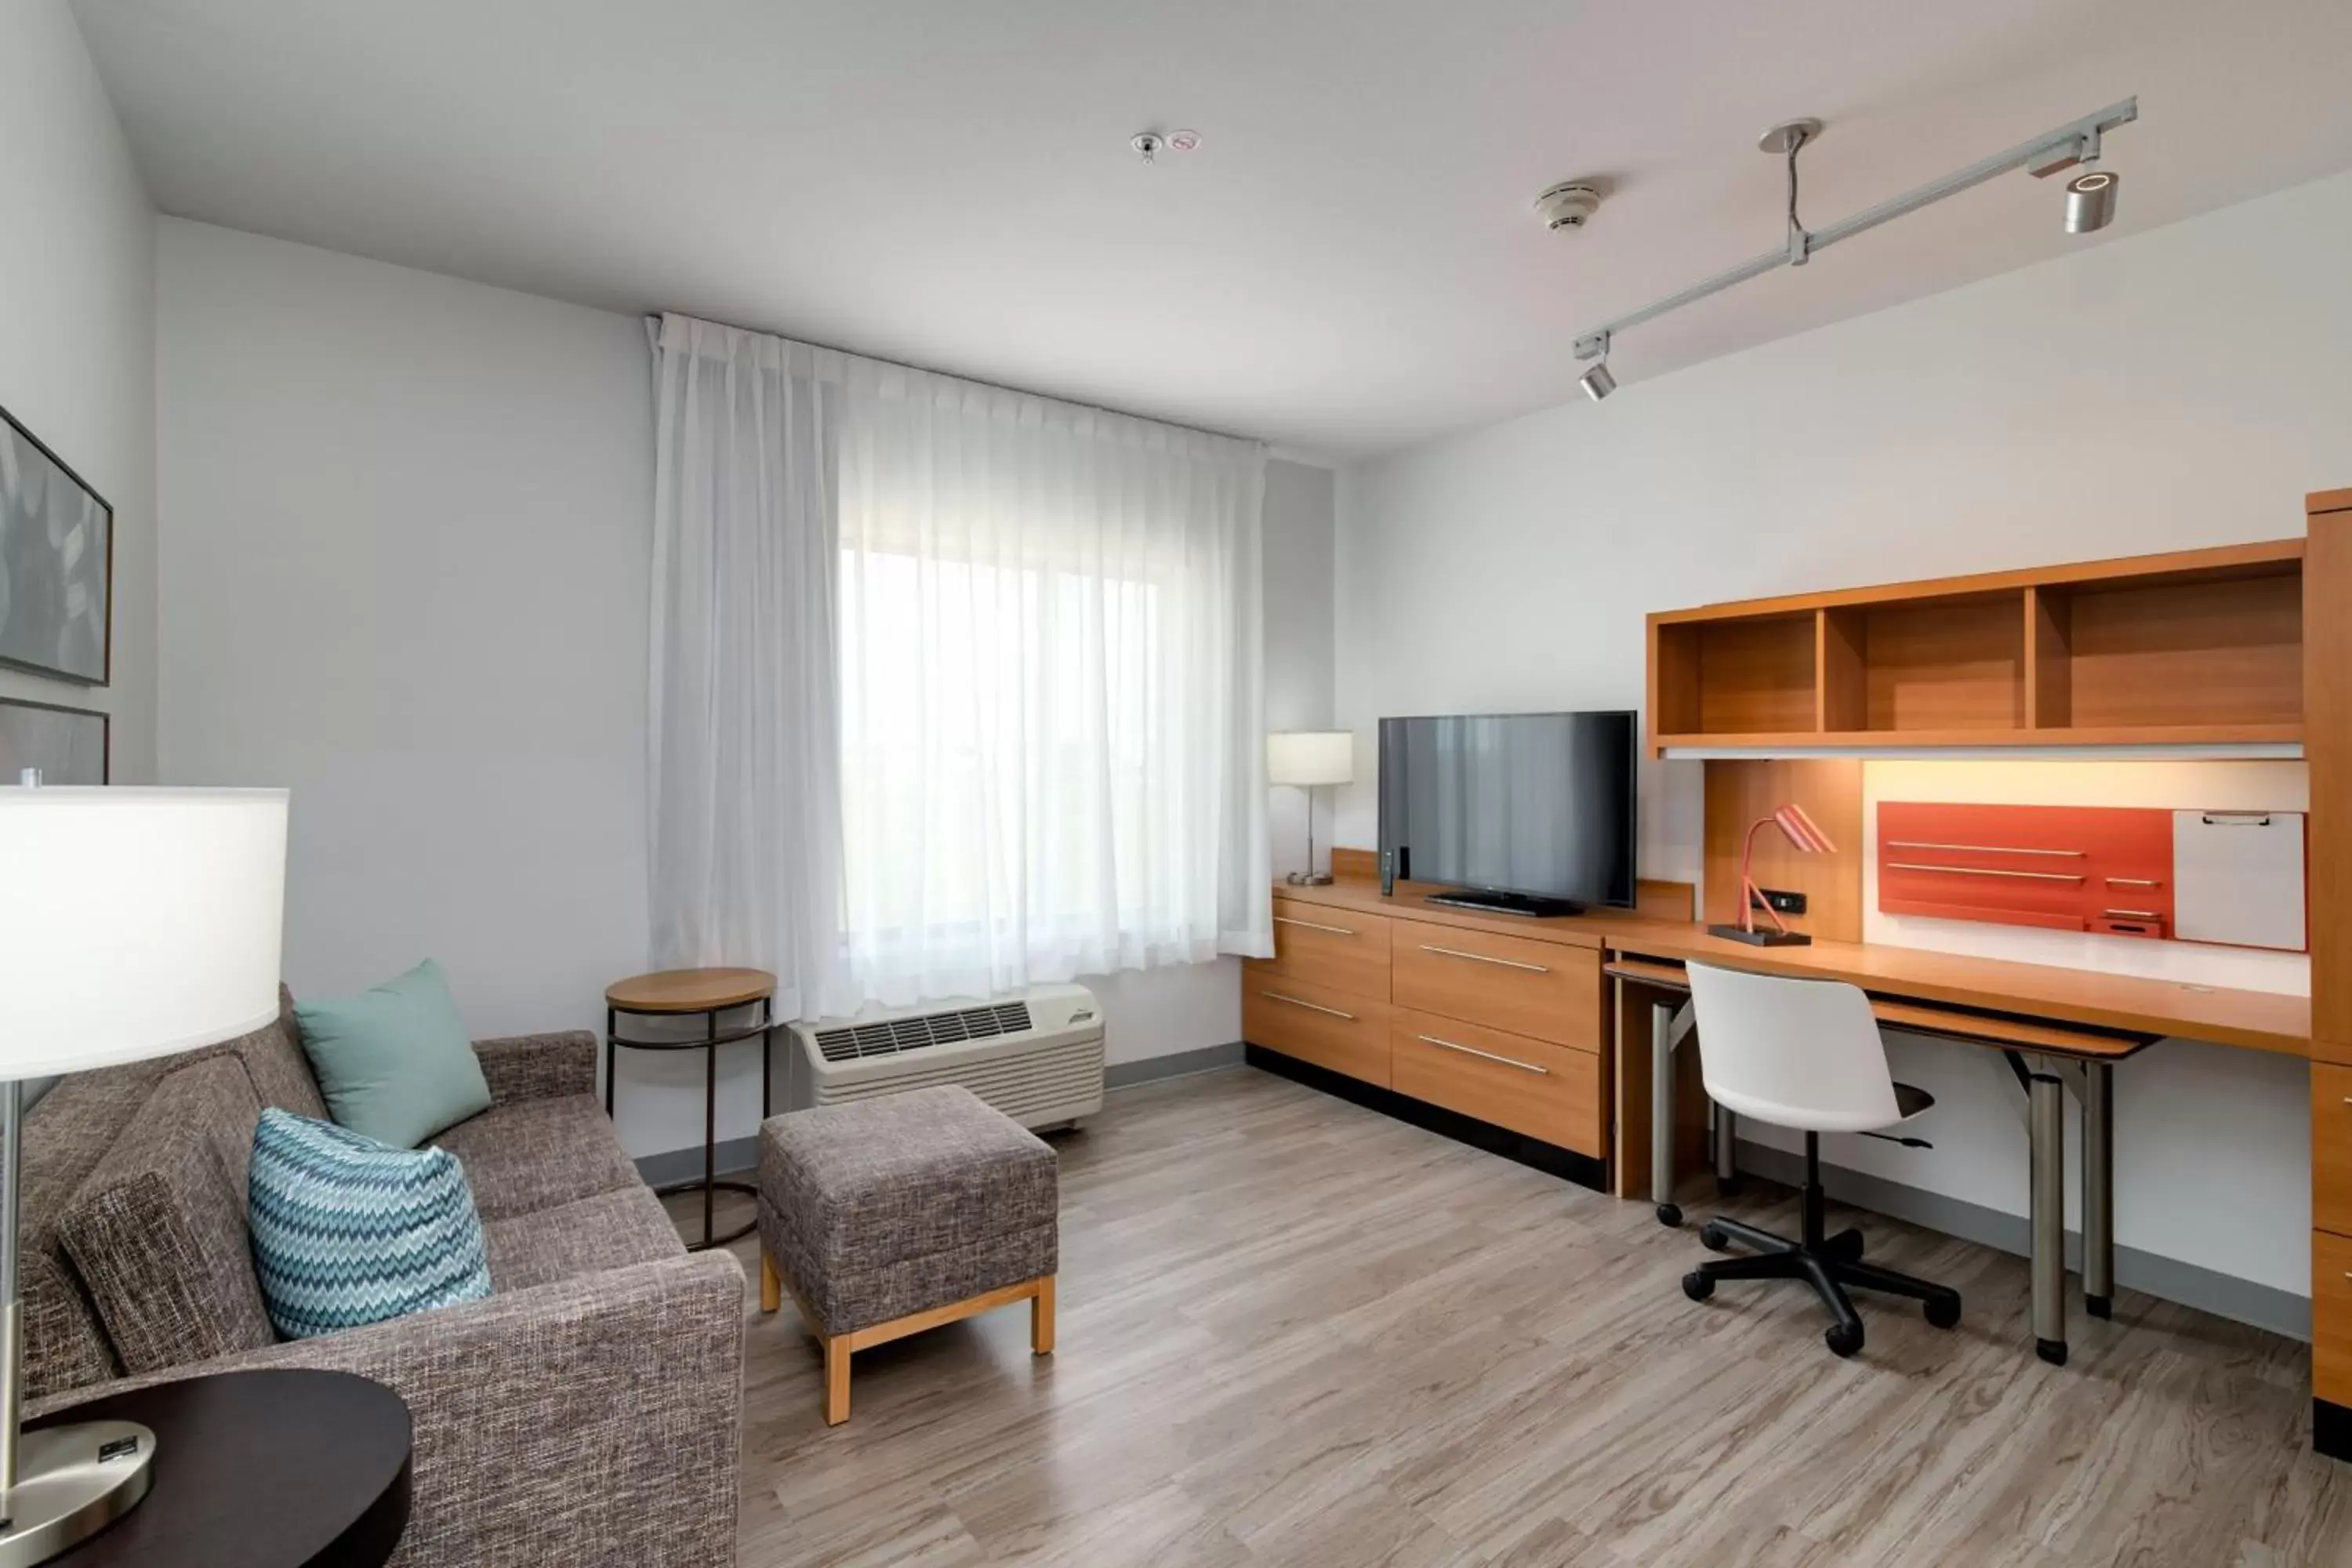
1779 900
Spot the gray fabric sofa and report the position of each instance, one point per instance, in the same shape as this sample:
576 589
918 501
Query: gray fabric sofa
587 1414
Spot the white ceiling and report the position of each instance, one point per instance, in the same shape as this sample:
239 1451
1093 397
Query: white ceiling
1346 265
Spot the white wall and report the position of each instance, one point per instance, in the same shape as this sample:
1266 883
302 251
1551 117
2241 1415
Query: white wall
77 333
2176 388
406 530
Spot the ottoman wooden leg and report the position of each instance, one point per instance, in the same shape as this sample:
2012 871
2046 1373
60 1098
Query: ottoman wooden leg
837 1380
771 1288
1041 1318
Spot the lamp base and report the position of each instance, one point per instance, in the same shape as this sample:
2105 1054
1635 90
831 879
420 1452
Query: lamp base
1761 938
1301 880
72 1481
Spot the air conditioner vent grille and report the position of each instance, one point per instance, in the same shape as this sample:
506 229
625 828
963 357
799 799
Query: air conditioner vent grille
896 1037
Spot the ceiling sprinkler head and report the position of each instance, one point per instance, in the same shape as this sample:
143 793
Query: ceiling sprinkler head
1150 144
1569 205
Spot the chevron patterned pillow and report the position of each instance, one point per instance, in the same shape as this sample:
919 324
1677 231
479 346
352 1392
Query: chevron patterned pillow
348 1231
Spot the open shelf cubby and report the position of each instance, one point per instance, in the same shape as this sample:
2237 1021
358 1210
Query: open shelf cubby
2194 649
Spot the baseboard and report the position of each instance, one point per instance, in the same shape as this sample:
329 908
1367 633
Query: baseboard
735 1155
2207 1289
1179 1064
1549 1158
732 1156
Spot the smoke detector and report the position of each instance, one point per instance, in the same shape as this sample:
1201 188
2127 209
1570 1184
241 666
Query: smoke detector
1569 205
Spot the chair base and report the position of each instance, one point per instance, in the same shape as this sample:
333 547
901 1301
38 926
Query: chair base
1830 1264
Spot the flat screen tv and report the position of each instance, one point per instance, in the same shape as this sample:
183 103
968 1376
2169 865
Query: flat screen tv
1527 814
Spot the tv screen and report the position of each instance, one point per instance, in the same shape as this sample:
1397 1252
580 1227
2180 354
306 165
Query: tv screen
1529 812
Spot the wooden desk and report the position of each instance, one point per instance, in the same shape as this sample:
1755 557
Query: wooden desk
2059 1027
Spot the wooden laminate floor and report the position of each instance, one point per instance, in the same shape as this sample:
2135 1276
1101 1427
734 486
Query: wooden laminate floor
1295 1332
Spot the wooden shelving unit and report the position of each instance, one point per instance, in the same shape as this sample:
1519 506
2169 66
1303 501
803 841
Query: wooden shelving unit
2197 648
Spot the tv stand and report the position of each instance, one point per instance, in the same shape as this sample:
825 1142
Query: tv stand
1526 906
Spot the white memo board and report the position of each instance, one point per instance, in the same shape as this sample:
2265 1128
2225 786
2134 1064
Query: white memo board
2238 878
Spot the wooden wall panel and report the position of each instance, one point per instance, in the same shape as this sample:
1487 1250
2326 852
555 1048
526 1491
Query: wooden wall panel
2327 747
1830 789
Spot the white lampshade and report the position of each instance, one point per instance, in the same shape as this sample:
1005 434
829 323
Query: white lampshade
1310 757
136 922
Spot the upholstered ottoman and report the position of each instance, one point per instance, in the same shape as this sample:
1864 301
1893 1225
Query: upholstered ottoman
892 1216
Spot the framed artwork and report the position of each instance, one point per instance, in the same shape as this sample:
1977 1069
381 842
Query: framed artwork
56 564
68 744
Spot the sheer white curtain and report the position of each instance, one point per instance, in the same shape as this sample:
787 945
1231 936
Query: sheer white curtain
1024 691
744 788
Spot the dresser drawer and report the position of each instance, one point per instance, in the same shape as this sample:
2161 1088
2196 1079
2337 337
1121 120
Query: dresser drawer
1337 949
1329 1029
1544 1091
2331 1318
2331 1148
1541 989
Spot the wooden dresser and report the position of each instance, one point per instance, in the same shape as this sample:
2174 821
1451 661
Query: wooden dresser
1497 1021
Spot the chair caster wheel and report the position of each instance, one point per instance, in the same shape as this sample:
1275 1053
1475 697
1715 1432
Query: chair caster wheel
1670 1214
1845 1246
1711 1236
1843 1340
2052 1351
1698 1285
1943 1312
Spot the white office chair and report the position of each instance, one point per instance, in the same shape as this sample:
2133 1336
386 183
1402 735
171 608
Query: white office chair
1803 1054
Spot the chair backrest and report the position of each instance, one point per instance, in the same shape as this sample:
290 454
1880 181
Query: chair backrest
1795 1053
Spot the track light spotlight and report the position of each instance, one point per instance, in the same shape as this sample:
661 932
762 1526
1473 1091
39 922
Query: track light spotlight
2091 201
1596 381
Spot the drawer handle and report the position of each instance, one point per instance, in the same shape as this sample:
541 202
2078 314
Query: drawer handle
1984 871
2137 914
1485 1055
1981 849
1310 1007
1310 925
1482 958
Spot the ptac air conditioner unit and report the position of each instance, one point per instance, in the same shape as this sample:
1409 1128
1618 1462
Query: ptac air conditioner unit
1035 1054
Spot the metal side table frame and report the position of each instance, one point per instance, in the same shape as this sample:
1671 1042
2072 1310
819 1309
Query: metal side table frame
709 1009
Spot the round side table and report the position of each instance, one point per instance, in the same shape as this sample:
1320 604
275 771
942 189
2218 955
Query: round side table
284 1468
685 993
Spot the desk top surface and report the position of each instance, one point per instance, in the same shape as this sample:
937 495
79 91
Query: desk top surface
2255 1020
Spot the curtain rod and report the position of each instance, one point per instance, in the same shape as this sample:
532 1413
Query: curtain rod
653 331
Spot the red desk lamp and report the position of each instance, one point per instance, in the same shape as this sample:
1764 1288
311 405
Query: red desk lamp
1809 839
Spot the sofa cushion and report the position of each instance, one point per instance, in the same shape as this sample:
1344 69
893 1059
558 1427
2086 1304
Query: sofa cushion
393 1062
537 1154
611 1230
274 1061
66 1135
157 1232
348 1231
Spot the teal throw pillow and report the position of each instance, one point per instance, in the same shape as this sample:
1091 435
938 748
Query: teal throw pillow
348 1232
395 1063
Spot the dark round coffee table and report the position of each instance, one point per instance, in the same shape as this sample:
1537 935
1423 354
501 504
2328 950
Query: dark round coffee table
261 1469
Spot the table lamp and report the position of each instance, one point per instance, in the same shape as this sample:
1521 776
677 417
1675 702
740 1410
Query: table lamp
1809 839
133 923
1309 759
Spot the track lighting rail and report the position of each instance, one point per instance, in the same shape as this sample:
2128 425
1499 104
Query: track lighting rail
2076 142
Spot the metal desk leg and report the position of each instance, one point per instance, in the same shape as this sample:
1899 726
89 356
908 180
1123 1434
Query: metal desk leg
2046 1128
1662 1112
2098 1093
610 1019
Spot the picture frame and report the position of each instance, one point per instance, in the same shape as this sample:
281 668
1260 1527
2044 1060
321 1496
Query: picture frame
56 564
70 746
